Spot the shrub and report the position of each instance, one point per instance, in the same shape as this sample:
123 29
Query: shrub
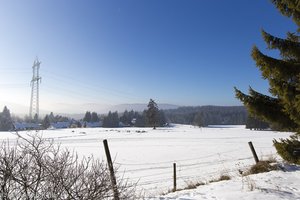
261 167
35 168
286 147
193 185
223 177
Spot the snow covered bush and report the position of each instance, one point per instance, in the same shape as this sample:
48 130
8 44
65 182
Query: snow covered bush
35 168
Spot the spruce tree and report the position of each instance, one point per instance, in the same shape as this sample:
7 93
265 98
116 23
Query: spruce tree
140 119
87 116
152 114
198 120
125 118
6 123
111 120
46 122
36 118
283 74
51 117
94 117
162 118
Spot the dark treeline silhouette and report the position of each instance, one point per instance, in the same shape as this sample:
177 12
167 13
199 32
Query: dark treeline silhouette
208 115
152 117
132 119
256 124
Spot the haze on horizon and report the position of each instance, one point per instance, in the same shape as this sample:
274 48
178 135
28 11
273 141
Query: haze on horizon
106 53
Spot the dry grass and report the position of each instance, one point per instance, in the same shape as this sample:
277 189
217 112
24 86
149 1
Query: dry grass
261 167
193 185
223 177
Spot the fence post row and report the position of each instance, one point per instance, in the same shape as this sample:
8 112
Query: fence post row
113 178
111 170
253 152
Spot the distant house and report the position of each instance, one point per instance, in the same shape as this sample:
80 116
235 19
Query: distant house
121 124
133 121
21 126
60 125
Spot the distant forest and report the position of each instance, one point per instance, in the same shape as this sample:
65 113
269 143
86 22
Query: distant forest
208 115
198 115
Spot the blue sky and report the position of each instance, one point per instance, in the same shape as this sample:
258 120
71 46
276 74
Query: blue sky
106 52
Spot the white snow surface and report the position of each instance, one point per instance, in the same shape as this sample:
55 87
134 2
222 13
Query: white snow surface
146 156
267 186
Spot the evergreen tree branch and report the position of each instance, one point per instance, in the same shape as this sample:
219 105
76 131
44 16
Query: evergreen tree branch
272 67
289 50
266 108
289 8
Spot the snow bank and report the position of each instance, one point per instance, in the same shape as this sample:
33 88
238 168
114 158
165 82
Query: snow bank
267 186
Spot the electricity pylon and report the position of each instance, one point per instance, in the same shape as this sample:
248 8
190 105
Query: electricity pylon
35 81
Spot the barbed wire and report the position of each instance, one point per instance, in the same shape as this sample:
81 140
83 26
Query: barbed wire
176 160
148 180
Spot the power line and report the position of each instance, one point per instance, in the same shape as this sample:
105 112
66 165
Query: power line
92 87
176 160
14 69
13 85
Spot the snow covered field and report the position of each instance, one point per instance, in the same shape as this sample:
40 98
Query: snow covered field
146 156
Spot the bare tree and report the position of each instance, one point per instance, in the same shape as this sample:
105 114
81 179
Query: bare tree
36 168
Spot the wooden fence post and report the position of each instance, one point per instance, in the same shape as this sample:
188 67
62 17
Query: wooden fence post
111 170
174 178
253 152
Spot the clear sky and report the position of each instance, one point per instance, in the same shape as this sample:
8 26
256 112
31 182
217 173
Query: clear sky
106 52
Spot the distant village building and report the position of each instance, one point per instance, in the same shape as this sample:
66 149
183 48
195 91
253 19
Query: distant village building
133 121
92 124
60 125
21 126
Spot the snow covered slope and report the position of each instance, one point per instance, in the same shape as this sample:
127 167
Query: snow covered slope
275 185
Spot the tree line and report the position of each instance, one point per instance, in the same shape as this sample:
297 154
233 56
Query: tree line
208 115
152 116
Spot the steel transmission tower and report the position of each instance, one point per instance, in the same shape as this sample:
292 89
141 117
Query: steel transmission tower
36 79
